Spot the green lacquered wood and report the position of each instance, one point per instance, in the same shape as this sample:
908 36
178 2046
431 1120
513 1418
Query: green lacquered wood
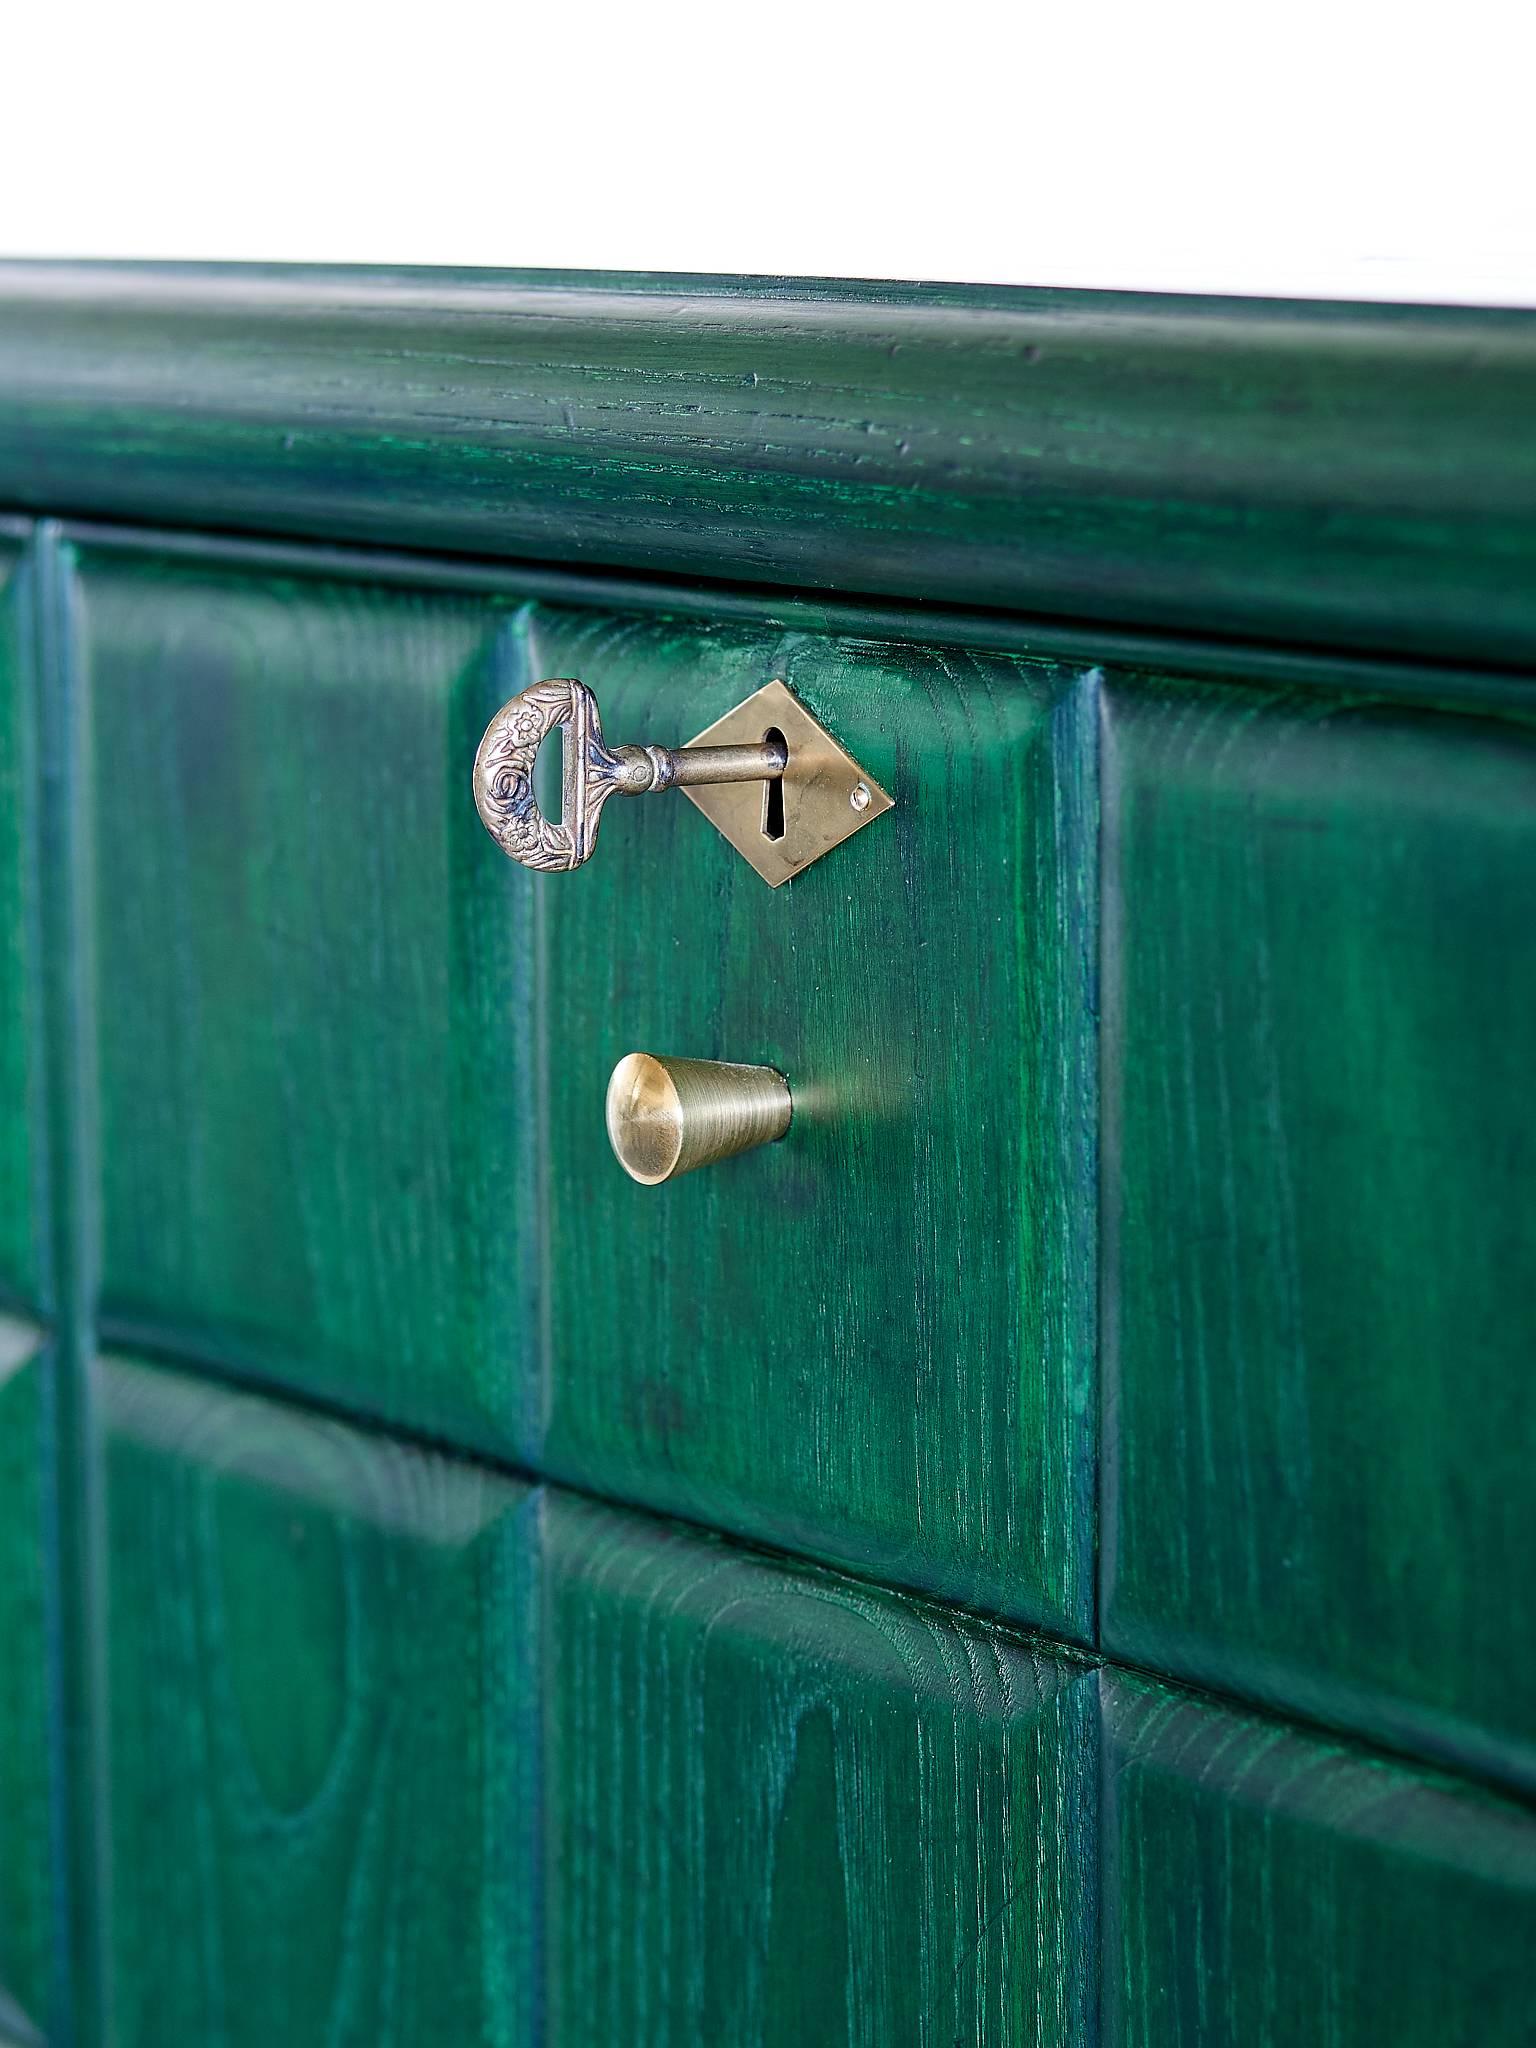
311 1010
29 1987
1263 1887
785 1809
1319 1168
321 1723
874 1340
20 1080
1352 475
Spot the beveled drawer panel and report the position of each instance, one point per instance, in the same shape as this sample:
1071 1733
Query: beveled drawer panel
1263 1886
311 991
872 1341
1320 1209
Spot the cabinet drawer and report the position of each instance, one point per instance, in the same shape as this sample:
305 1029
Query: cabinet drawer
312 993
874 1340
353 1062
1320 1214
1265 1887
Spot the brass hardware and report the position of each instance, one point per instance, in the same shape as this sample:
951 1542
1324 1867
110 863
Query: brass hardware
822 794
826 794
665 1117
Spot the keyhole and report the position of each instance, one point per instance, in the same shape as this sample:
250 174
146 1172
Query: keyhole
773 792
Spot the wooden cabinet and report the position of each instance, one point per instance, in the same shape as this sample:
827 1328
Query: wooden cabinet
1035 1557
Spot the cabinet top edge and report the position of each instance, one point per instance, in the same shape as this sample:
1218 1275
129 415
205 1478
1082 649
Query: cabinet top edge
1339 474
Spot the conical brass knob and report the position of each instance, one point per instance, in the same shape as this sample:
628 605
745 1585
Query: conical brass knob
665 1117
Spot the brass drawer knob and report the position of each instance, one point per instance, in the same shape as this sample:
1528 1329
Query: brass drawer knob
665 1117
812 794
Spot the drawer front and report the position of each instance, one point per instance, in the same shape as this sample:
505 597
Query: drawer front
29 1984
873 1341
784 1808
1267 1888
1320 1217
20 1075
312 986
320 1730
352 1066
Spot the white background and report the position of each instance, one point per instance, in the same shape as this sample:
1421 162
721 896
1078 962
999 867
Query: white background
1353 149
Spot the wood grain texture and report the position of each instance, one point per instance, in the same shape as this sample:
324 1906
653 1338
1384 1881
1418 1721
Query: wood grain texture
21 1261
873 1341
29 1954
312 1010
1319 1172
1347 475
781 1808
322 1728
1263 1887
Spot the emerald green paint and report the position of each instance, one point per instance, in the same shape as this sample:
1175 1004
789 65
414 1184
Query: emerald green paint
321 1723
872 1341
20 1255
28 1988
1263 1887
1319 1155
1322 474
782 1808
312 1012
369 1744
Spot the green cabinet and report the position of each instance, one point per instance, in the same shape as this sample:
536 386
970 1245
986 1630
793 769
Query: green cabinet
1038 1556
1320 1216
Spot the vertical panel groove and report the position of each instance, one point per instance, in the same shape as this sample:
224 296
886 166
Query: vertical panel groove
72 1262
